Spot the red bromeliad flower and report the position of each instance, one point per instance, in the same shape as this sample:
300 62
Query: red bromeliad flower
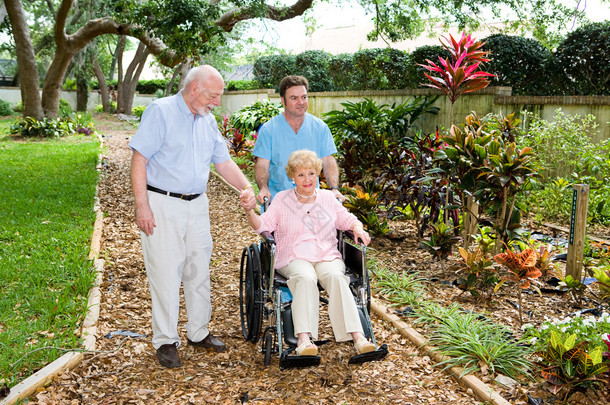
460 75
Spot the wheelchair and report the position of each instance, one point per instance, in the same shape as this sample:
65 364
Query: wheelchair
265 299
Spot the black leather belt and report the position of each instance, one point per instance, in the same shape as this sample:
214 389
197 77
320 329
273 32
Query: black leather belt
186 197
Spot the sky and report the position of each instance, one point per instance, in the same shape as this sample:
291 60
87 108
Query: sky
336 13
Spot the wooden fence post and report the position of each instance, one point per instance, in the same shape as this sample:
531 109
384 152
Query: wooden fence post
578 226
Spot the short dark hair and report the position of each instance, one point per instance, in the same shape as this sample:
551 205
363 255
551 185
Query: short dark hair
291 81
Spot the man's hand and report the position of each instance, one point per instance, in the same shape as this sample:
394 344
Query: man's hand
262 193
338 194
145 219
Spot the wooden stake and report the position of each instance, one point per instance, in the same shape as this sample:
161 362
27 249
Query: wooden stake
578 226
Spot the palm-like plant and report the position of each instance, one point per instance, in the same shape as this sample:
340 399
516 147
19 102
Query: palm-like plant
458 74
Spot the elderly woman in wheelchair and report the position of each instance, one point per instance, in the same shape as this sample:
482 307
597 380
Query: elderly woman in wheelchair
305 221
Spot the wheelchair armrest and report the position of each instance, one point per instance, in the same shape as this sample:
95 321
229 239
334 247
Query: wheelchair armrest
268 237
349 234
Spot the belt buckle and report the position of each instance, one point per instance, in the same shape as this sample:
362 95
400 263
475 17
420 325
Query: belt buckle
184 197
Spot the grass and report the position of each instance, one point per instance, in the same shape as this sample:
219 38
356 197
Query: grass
468 340
46 222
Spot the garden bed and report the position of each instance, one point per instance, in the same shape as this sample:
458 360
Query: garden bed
401 253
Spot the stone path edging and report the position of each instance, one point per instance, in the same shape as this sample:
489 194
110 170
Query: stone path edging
68 361
482 391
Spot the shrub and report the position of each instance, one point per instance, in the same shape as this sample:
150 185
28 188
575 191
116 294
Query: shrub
65 109
582 58
379 69
314 65
342 71
414 73
243 85
5 108
251 117
138 110
519 63
45 128
270 70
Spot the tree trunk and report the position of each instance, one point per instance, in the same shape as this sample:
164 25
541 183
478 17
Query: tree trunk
82 91
119 82
101 79
170 85
26 61
130 80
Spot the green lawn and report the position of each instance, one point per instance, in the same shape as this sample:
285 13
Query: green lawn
47 190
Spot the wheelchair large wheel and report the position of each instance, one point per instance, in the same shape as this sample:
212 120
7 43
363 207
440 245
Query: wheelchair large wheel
250 294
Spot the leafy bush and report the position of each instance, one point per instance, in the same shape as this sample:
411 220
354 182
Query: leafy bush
562 144
341 70
519 63
380 69
65 109
314 65
46 128
99 108
414 73
251 117
138 110
5 108
154 85
270 70
581 60
243 85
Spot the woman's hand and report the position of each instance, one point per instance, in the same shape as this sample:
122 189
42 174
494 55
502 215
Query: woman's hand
360 233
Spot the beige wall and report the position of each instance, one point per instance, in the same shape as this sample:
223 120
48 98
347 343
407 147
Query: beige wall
489 100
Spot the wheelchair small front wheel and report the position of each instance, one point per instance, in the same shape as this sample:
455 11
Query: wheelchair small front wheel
268 348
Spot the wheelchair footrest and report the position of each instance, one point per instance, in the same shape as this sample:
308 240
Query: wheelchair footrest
378 354
294 361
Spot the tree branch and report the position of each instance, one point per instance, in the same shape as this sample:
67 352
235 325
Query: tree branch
228 20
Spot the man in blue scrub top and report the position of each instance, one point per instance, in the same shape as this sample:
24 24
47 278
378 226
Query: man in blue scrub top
294 129
175 144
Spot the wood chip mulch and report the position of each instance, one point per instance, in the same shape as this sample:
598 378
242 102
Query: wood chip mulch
124 370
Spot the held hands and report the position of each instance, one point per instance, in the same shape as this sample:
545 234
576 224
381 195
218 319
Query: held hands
247 198
338 195
361 234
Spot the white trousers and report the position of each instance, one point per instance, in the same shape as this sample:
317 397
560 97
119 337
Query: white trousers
303 278
178 251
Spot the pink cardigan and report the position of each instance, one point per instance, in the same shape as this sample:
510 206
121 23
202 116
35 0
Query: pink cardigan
287 219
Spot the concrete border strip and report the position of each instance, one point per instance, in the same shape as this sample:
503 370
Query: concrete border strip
483 391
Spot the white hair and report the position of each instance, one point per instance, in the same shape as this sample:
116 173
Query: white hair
200 74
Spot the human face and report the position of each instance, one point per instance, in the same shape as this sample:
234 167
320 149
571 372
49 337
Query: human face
207 96
295 102
306 180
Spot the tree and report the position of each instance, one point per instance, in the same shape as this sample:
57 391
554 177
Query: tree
396 20
176 22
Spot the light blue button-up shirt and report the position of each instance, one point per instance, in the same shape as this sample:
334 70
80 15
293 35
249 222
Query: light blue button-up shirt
179 146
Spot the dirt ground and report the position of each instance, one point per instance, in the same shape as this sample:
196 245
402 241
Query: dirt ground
124 370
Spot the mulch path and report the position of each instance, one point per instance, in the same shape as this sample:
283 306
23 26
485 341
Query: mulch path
124 370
